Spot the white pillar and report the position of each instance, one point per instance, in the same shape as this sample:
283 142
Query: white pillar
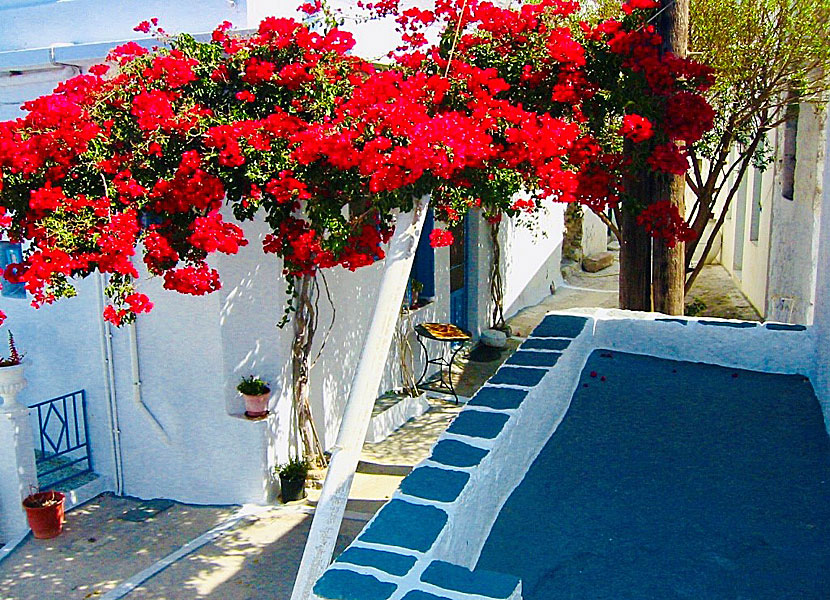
18 473
362 395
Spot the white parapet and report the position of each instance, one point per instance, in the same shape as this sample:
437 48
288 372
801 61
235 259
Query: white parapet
18 473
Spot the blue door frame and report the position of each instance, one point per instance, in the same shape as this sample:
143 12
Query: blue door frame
459 257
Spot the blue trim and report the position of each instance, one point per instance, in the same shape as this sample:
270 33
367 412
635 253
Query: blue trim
389 562
457 454
340 584
482 583
406 525
545 344
534 359
474 423
734 324
423 267
498 398
568 326
421 595
785 327
518 376
431 483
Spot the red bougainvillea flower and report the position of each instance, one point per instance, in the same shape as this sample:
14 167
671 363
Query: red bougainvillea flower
636 128
668 158
632 5
662 220
688 117
440 237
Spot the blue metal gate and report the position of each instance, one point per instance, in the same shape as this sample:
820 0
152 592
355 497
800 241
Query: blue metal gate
63 447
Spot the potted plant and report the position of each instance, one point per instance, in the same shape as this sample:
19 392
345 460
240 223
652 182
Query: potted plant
45 512
256 393
11 375
292 479
417 287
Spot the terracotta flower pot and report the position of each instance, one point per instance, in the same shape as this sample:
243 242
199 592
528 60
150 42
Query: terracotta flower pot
45 511
256 406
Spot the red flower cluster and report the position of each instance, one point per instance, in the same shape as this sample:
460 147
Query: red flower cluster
440 237
668 158
636 128
328 146
662 220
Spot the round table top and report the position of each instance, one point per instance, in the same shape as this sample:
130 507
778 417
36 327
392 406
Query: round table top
442 332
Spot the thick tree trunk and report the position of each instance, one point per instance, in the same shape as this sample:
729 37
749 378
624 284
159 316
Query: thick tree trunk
635 253
669 273
669 264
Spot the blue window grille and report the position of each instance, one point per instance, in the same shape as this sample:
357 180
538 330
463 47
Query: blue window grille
63 449
11 253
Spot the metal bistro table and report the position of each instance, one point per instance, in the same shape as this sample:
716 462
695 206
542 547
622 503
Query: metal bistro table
458 337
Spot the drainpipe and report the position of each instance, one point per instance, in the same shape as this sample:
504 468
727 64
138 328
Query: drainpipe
346 452
137 384
109 378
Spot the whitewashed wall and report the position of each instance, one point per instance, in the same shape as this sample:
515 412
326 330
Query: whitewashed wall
62 344
794 235
532 258
821 321
594 233
751 277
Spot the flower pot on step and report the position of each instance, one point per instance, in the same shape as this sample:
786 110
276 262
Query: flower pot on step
45 511
292 489
256 406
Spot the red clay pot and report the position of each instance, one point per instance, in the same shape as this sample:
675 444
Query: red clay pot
257 406
46 521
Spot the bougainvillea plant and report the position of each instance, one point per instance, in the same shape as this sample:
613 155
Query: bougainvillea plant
144 151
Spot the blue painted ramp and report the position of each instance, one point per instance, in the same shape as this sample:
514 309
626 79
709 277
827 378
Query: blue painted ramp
673 480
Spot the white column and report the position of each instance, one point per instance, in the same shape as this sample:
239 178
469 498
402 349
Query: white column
362 395
18 473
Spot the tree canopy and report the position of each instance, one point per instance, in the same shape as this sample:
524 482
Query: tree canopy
144 150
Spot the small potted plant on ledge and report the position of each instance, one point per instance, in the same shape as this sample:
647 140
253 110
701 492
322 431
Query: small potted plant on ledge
256 393
292 479
11 376
45 512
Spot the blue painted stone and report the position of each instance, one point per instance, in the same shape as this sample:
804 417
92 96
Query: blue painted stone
390 562
339 584
478 424
544 344
457 454
681 321
421 595
534 359
486 584
735 324
432 483
568 326
498 398
785 327
518 376
406 525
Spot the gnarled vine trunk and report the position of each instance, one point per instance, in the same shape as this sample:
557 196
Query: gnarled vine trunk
305 326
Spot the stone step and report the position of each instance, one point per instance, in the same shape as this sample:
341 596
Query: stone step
369 492
373 468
